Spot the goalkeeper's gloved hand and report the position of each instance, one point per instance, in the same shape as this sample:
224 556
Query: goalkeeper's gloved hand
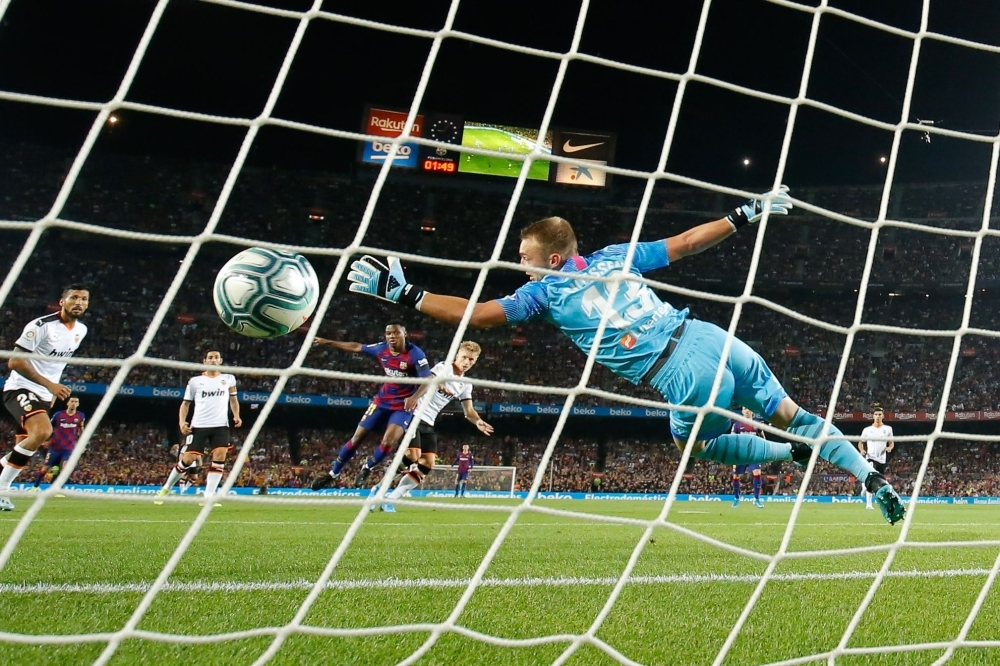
753 210
371 277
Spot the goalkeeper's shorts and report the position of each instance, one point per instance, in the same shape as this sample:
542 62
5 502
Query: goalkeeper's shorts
687 376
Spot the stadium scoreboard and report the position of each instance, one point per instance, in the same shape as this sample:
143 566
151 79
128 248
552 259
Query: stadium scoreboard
510 144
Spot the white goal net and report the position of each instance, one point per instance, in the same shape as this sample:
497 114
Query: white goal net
208 235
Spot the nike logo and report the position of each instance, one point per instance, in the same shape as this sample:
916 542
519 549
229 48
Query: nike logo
570 148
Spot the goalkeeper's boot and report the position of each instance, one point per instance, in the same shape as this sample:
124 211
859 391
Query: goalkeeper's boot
359 480
885 496
6 504
323 480
388 508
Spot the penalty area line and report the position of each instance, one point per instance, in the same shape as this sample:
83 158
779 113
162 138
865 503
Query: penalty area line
399 583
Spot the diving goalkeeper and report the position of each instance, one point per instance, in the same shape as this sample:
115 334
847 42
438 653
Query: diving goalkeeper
647 340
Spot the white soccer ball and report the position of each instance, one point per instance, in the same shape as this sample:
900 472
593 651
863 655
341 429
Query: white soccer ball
264 293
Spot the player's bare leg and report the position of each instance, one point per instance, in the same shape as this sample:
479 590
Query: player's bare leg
343 457
38 429
392 436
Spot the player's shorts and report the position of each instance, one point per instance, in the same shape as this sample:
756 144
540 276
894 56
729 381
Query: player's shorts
462 476
379 418
687 376
743 469
22 405
206 439
426 438
879 466
57 458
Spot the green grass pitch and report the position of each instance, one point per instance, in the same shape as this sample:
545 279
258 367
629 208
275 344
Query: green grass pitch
84 564
489 138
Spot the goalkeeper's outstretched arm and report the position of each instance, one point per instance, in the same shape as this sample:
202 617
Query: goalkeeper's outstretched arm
700 238
372 277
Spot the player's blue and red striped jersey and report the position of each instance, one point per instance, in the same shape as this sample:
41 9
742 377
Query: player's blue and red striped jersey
465 462
740 427
66 430
411 362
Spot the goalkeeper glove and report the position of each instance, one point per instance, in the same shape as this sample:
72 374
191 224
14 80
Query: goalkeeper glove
371 277
753 210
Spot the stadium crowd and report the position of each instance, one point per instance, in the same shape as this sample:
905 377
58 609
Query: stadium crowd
912 272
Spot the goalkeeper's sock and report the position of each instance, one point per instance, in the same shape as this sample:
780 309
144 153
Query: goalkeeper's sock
744 449
839 452
757 483
736 489
343 457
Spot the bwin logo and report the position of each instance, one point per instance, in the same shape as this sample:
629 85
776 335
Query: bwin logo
212 394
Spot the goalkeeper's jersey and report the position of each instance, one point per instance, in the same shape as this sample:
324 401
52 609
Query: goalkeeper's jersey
639 323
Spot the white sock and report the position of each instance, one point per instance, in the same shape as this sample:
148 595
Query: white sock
172 479
405 484
868 498
212 480
7 475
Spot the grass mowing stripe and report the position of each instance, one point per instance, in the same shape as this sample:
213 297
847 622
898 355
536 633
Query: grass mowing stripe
396 583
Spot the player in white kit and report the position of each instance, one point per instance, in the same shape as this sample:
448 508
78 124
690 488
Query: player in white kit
33 386
214 396
876 441
423 448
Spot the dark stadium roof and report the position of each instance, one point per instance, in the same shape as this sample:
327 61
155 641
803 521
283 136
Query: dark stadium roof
221 60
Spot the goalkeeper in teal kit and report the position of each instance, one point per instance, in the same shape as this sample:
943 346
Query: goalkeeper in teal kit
647 340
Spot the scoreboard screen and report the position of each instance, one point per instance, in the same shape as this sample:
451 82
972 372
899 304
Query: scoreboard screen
592 150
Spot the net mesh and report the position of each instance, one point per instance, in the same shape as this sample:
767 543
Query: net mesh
279 634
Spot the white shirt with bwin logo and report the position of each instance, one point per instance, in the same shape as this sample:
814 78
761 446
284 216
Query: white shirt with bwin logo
876 439
47 336
210 396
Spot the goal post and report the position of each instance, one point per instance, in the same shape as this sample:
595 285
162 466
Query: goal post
491 478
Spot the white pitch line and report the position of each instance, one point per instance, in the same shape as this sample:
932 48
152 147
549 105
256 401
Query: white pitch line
396 583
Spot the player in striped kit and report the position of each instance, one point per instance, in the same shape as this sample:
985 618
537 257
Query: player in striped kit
66 428
423 448
754 468
213 395
387 411
464 461
876 441
33 386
